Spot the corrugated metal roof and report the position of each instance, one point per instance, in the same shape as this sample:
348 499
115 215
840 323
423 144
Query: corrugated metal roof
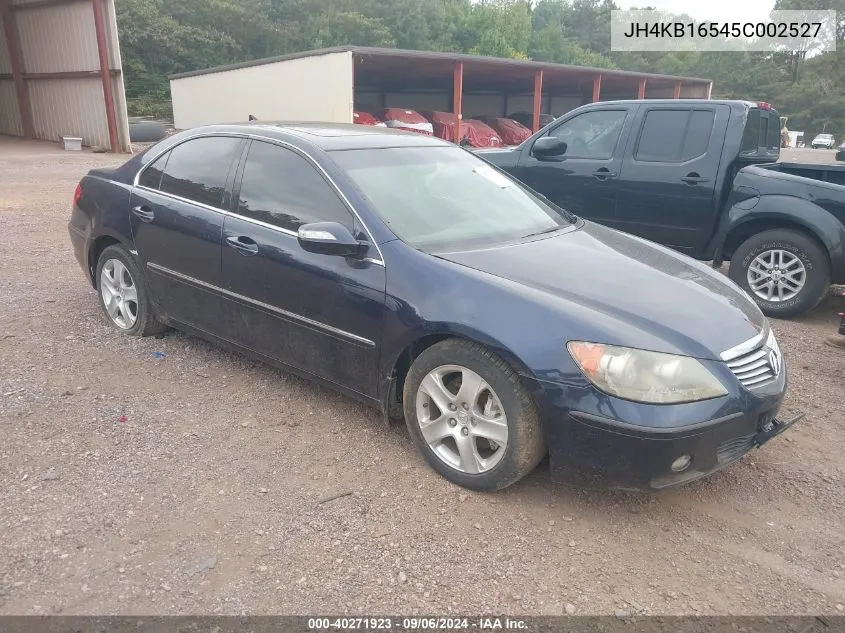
475 60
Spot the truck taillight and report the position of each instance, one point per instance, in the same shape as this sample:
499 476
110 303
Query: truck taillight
77 195
764 106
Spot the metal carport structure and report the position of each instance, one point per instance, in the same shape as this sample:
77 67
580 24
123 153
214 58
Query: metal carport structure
327 84
60 72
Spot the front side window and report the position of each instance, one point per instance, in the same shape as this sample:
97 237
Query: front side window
441 198
197 169
282 188
592 134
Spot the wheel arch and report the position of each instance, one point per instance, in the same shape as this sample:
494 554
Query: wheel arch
745 230
98 245
398 365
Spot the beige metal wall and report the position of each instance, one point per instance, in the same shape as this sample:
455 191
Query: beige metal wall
63 39
308 89
10 121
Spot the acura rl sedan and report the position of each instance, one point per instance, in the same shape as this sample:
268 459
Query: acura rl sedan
410 274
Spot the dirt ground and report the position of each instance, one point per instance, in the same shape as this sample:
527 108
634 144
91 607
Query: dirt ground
193 484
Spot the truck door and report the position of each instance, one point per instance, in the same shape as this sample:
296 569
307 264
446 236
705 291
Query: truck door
584 179
667 184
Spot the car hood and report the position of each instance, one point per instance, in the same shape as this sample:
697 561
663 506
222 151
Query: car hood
626 290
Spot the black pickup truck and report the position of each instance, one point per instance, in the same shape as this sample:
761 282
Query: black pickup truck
700 177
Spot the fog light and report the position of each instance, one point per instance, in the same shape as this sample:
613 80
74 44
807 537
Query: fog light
682 463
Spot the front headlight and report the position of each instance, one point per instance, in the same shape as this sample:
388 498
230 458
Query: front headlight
643 376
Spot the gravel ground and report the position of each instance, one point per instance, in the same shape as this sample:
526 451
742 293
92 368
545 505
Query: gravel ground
193 483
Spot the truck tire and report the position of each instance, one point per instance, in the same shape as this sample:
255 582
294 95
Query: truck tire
786 272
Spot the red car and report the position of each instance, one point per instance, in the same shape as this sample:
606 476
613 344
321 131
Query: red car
472 132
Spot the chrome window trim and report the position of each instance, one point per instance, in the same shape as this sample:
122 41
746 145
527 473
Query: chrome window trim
745 346
291 316
274 141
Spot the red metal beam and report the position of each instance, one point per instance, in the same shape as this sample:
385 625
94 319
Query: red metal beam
538 99
458 98
641 89
13 45
103 51
677 93
596 88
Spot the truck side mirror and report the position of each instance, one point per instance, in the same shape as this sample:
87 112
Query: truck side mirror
548 146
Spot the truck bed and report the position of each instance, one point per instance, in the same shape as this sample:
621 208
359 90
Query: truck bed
834 174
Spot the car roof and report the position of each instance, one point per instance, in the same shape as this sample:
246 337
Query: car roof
328 136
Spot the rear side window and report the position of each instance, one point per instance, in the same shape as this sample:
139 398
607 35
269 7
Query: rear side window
151 176
674 136
282 188
197 169
762 130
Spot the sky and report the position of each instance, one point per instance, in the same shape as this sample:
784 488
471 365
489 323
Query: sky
715 10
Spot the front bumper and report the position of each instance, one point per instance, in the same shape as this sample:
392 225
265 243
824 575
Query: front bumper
635 449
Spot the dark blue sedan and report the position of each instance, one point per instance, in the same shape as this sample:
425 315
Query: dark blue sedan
412 275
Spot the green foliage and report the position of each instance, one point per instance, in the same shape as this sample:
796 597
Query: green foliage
162 37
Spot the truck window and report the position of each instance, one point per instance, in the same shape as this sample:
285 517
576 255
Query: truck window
674 136
591 134
762 131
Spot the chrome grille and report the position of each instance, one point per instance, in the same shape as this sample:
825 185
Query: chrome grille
734 449
755 362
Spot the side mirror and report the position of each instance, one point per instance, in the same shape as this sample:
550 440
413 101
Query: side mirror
548 146
330 238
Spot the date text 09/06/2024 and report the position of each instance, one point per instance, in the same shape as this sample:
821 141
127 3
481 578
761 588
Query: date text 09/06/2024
417 624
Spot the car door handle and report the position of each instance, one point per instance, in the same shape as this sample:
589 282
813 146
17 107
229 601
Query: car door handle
243 244
694 179
604 173
144 213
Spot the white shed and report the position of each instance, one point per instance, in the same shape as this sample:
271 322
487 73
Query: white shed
329 84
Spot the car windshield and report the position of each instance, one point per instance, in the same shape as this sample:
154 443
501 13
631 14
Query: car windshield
824 137
445 198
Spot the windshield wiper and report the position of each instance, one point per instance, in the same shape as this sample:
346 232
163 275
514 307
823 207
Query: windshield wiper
543 232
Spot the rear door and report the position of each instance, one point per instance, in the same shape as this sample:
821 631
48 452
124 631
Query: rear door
584 179
177 211
667 185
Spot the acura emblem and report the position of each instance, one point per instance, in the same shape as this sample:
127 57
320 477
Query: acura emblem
774 361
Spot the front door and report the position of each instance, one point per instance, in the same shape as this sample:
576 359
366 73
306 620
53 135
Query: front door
177 213
319 313
584 179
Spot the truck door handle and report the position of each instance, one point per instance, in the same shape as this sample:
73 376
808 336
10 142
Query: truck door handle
604 173
693 179
144 213
243 244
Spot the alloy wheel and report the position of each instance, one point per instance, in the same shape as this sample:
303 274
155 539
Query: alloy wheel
462 419
776 275
119 294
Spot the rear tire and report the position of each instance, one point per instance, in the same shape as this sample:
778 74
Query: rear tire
498 406
801 291
123 295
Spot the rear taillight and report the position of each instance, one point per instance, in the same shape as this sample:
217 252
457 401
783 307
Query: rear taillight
77 195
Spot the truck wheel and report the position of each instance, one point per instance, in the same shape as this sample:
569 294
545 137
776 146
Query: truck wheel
471 417
784 271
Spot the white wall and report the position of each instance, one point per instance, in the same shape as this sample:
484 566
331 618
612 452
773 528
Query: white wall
307 89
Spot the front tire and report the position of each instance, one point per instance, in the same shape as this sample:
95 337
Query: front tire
123 295
784 271
470 416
